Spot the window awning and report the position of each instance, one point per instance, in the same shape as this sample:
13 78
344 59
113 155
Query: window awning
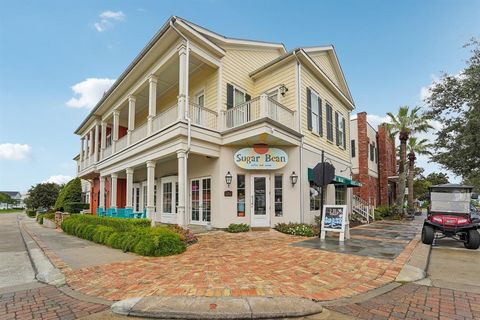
338 180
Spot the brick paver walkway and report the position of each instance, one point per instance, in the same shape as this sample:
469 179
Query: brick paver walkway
44 303
412 301
254 263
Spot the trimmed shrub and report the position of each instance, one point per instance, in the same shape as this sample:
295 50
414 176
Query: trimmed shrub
31 213
387 213
70 193
186 234
49 216
297 229
129 235
238 227
75 207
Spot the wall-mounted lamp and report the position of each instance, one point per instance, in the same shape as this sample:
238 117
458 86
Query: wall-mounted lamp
228 178
293 178
283 89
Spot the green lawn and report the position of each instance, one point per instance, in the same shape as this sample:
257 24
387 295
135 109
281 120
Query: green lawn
10 210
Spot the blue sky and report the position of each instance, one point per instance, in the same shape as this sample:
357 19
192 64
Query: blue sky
389 50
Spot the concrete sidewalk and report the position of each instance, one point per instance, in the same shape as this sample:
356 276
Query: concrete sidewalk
65 251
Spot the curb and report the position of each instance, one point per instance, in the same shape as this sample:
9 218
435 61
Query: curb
44 270
202 308
416 267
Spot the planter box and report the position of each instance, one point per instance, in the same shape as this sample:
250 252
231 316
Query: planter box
49 224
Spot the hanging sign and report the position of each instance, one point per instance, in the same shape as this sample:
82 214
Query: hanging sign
261 158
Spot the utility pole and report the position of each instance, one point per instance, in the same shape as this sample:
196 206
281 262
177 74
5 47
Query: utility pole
321 192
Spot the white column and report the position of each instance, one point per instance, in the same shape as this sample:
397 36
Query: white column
152 102
95 143
90 143
82 144
116 120
103 138
113 190
263 105
131 118
182 188
150 190
102 193
129 172
182 82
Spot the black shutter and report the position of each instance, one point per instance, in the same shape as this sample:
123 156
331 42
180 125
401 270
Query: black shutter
320 118
247 97
353 148
336 128
344 133
229 96
309 109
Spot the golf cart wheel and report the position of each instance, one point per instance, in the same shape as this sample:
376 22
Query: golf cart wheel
473 240
428 235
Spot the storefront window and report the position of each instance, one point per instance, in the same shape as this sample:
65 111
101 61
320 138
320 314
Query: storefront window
315 193
340 195
240 195
278 195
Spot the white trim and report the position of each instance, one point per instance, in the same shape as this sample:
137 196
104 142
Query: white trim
255 220
200 220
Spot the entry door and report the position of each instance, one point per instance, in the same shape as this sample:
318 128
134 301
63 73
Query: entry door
168 199
200 195
136 197
260 201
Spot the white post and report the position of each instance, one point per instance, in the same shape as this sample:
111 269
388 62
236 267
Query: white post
152 102
102 193
113 190
131 118
129 172
82 144
103 138
90 143
150 190
95 144
182 82
116 120
182 186
264 106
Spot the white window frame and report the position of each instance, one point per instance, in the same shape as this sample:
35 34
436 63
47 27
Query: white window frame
244 92
197 95
341 130
314 96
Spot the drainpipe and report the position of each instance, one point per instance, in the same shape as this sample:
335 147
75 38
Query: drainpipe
187 117
298 87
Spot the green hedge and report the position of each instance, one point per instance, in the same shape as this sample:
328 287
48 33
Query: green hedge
75 207
130 235
297 229
238 227
42 216
387 213
31 213
70 193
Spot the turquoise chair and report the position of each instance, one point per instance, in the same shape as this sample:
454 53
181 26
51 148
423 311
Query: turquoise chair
129 213
144 214
100 212
111 212
121 213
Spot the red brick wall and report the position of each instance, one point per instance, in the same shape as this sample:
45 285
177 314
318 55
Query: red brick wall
387 165
94 195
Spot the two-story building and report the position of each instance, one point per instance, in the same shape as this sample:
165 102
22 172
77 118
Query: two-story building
205 129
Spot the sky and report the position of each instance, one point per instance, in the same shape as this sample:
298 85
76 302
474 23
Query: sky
58 57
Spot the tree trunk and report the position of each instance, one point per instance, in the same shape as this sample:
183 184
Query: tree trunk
411 165
401 172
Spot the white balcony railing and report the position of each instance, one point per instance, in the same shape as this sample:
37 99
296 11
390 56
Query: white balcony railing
121 144
139 133
202 116
257 108
165 118
107 152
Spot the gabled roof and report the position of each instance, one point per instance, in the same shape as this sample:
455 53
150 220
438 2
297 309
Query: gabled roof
11 193
305 58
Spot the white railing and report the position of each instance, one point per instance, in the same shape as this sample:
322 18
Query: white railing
165 118
121 144
139 133
257 108
363 208
280 113
242 113
107 152
202 116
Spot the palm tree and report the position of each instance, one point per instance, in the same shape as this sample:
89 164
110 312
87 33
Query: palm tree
415 147
405 123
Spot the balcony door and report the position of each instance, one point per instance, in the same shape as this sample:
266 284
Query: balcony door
200 195
168 199
260 213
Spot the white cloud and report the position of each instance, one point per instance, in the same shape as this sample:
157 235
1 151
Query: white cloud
107 19
89 92
15 151
58 179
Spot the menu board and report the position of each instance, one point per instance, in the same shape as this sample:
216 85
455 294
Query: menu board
334 218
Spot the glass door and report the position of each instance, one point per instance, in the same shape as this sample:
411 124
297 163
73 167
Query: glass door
136 197
260 201
168 200
200 195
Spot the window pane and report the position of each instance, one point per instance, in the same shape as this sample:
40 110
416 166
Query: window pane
278 196
239 97
240 195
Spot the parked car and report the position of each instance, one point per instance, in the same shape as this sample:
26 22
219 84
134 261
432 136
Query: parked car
450 215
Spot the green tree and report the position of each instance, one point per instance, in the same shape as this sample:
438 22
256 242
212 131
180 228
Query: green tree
71 192
455 102
415 147
438 178
42 195
405 123
5 198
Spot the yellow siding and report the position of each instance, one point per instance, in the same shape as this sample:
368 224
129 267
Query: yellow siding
309 80
272 80
238 63
325 64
